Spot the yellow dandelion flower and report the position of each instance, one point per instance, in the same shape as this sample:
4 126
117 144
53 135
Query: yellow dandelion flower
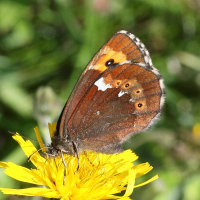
99 176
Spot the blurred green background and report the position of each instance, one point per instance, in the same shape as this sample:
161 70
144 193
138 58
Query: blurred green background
45 45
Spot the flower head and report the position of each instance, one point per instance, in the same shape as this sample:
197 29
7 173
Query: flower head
99 176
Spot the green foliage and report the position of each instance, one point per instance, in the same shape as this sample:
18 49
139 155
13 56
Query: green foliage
48 43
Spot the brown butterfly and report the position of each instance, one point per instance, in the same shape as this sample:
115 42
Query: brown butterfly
118 94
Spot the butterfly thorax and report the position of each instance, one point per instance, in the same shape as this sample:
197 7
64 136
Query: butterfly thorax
64 145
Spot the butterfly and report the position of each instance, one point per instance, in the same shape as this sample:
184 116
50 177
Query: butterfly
118 94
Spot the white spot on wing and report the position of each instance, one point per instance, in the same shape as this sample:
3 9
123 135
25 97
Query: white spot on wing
126 62
162 100
131 100
146 59
90 67
102 85
155 71
122 31
122 93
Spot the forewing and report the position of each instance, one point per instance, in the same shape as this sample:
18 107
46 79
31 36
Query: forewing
111 102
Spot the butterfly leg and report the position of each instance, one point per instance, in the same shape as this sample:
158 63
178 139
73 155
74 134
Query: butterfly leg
29 158
65 167
88 158
76 154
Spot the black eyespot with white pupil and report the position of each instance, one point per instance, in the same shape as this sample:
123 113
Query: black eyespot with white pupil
139 105
127 85
109 62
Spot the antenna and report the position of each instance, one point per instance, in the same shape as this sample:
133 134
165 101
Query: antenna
26 138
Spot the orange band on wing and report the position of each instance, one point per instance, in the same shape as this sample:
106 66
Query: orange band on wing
118 57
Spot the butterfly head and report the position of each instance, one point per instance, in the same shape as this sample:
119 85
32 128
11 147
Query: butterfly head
62 145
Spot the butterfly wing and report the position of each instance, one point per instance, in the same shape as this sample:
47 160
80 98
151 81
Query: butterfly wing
118 94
